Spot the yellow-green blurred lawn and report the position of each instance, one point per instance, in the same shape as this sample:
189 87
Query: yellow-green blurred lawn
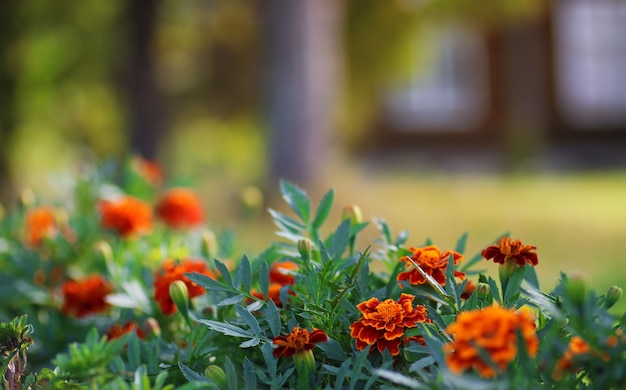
577 221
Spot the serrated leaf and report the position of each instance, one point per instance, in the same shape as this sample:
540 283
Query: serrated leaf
191 375
332 349
224 272
226 328
272 317
297 199
495 291
248 319
286 223
209 283
341 239
461 243
231 374
399 379
323 209
230 301
250 343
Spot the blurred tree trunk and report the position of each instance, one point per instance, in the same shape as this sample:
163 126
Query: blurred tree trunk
302 39
147 116
8 34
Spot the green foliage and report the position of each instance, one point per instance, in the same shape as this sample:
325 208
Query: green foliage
230 336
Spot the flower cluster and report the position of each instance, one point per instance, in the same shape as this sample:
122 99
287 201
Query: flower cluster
86 296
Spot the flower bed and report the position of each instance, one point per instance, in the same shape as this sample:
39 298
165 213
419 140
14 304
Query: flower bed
126 286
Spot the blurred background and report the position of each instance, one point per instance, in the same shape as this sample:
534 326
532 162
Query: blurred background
440 116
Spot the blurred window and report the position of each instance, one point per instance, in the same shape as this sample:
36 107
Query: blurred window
590 45
451 92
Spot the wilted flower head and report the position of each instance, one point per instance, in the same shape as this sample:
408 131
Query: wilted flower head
116 331
180 208
171 272
39 222
492 331
507 248
86 296
127 215
297 342
382 324
432 261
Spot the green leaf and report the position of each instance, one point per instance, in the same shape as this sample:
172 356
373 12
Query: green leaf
385 230
323 209
209 283
513 286
286 223
495 291
224 272
272 316
460 244
297 199
341 374
264 278
226 328
246 273
341 239
231 373
433 283
133 352
250 343
249 377
248 319
230 301
399 379
191 375
332 349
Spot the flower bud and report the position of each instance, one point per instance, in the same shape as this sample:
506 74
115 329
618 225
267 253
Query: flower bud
153 325
613 295
575 289
180 295
353 213
27 198
105 250
505 270
483 290
217 375
209 244
304 247
304 361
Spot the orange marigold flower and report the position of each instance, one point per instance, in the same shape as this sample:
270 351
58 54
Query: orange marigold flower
116 331
432 261
577 346
170 272
39 222
297 342
494 331
127 215
282 273
149 170
180 208
382 324
507 248
273 293
468 289
85 297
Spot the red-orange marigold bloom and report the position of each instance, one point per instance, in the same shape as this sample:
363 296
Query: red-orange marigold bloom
507 248
127 215
86 296
170 272
494 331
116 331
273 293
180 208
282 273
468 289
577 346
298 341
39 222
149 170
432 261
382 324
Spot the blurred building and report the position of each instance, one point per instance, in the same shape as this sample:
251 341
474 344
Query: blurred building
550 90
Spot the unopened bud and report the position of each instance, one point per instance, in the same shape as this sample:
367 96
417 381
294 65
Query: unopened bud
304 361
180 295
153 326
304 247
217 375
483 290
353 213
613 295
209 244
105 250
27 198
575 289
